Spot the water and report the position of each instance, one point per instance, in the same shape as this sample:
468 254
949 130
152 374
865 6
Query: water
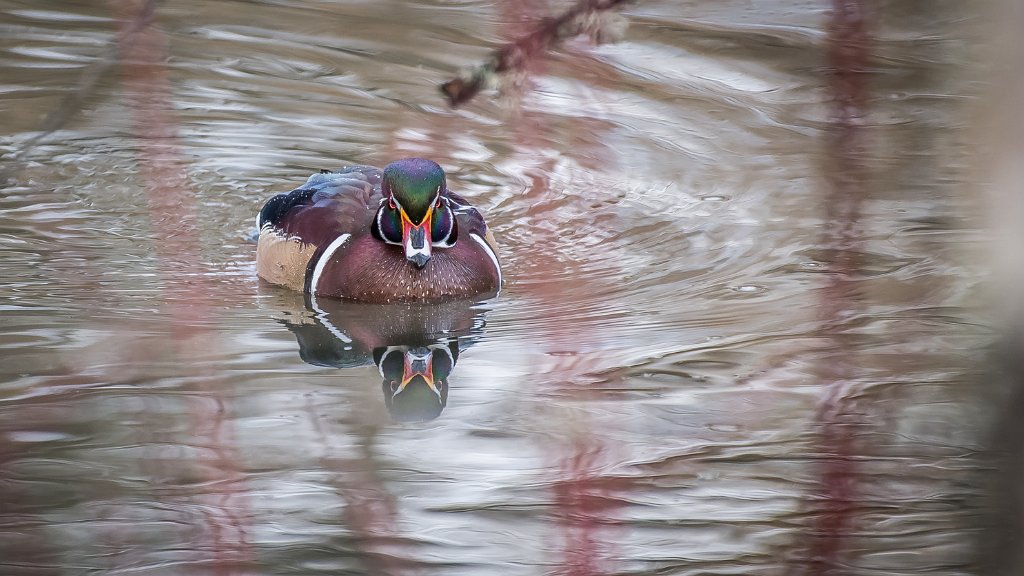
743 328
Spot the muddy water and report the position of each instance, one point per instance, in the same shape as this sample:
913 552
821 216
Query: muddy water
742 332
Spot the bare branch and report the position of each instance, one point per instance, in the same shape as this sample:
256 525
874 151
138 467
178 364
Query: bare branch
590 17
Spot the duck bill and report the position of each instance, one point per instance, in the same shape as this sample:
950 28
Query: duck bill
416 240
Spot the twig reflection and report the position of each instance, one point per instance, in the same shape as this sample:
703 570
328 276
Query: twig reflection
837 426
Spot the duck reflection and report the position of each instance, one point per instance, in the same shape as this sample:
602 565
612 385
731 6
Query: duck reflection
415 347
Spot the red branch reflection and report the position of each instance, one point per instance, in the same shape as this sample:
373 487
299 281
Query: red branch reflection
584 494
221 539
370 512
848 54
585 499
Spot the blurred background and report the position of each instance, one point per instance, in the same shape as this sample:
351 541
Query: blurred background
760 315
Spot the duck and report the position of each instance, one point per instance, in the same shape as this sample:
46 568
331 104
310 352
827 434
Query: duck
378 236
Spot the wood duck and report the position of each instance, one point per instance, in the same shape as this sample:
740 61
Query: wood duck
378 236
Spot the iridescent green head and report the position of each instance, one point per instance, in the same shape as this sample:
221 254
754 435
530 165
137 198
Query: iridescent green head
415 211
415 184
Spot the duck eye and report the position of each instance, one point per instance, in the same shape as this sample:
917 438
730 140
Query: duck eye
438 203
391 202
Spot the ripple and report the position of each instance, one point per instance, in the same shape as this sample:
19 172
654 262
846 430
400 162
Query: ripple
692 367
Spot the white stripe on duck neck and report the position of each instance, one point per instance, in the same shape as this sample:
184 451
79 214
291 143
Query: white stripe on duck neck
324 259
490 252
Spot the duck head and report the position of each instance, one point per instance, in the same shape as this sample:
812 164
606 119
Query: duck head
415 211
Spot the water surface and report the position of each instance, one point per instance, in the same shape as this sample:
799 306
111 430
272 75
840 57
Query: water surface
741 332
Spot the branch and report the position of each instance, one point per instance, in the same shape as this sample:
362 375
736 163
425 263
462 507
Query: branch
591 17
